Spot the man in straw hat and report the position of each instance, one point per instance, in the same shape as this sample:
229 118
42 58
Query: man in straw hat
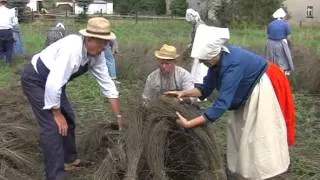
7 21
277 49
44 82
168 76
257 134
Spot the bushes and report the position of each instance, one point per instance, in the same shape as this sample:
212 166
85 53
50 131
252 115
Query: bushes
246 11
179 7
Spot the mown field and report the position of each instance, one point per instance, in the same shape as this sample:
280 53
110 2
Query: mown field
135 60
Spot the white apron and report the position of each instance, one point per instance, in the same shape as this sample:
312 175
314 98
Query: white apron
257 136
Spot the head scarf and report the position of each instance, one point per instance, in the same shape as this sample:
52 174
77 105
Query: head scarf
192 16
209 41
60 25
280 13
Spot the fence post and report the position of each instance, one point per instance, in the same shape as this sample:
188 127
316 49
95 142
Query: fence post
136 17
300 23
66 12
31 14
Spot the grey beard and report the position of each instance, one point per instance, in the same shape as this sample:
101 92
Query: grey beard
167 81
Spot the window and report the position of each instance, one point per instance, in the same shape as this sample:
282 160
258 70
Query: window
309 11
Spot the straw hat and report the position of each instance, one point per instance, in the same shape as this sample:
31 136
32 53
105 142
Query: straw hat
167 52
98 27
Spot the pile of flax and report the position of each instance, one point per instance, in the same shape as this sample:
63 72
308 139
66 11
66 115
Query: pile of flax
153 146
19 147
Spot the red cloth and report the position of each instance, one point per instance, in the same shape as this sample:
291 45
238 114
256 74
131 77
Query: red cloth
282 89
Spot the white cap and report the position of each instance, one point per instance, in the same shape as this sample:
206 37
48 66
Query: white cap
280 13
209 41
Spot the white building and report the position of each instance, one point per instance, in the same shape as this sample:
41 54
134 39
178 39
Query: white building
35 5
98 6
301 10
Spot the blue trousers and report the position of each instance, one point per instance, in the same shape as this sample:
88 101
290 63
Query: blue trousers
57 149
111 63
17 44
6 44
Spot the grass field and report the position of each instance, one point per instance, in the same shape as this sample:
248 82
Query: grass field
135 61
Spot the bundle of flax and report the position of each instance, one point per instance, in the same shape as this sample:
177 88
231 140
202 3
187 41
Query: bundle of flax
155 147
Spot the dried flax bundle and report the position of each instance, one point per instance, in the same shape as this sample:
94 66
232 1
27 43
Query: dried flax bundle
18 137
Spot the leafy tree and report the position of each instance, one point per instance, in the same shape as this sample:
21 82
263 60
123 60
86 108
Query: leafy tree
160 7
20 5
179 7
246 11
49 3
134 6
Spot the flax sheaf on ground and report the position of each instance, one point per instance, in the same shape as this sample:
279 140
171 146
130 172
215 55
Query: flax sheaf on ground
19 147
305 78
154 147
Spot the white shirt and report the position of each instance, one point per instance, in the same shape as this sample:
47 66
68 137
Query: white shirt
181 80
63 58
8 18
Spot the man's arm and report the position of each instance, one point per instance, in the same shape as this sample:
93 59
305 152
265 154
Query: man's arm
100 71
115 107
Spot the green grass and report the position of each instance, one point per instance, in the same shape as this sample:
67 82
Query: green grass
151 32
90 106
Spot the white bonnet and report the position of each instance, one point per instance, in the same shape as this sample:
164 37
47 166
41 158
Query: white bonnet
209 41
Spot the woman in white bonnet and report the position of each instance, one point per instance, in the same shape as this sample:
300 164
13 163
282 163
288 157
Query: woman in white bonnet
277 48
257 139
55 33
198 70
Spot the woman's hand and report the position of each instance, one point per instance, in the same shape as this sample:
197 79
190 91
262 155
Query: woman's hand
178 94
181 121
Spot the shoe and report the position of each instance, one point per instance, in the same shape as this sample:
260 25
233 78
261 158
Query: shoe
116 82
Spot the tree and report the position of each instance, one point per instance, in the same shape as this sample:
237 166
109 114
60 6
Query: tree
49 3
179 7
21 6
134 6
246 11
168 6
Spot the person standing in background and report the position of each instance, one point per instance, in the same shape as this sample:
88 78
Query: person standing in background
7 21
277 49
110 50
17 43
198 70
55 33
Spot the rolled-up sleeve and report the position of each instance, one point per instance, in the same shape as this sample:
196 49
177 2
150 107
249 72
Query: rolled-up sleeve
147 92
58 77
99 70
229 85
186 80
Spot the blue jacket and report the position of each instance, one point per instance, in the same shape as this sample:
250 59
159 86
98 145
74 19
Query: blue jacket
234 77
278 29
